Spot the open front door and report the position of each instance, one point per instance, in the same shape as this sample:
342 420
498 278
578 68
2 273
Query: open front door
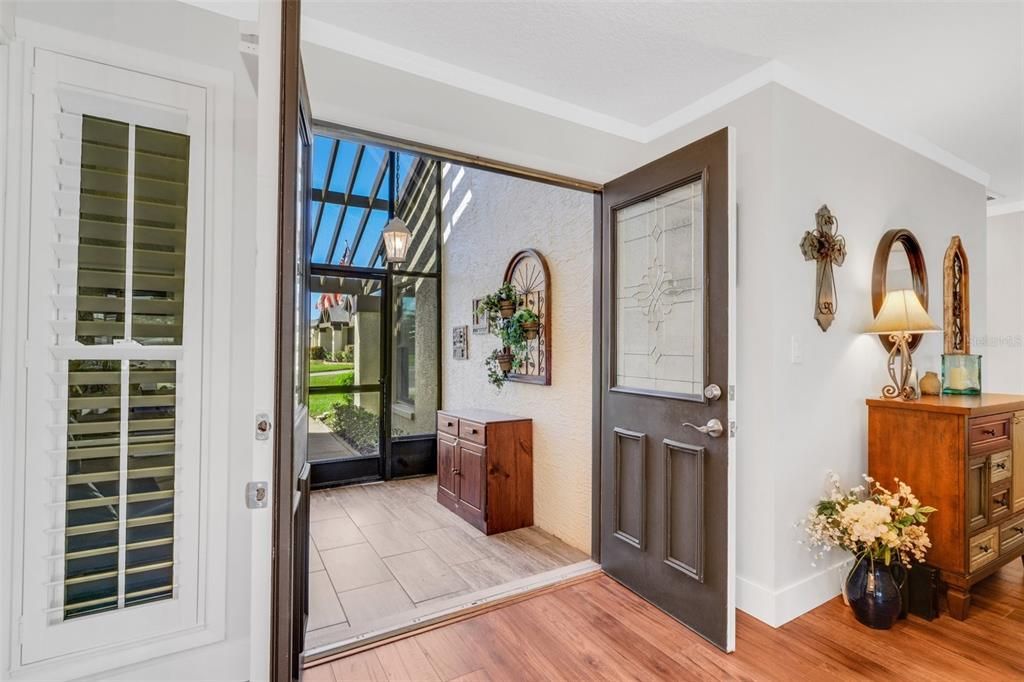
291 471
666 507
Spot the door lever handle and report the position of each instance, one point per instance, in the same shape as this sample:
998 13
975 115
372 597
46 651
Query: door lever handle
713 428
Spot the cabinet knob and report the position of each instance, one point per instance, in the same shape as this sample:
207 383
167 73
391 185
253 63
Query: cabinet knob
984 548
989 432
455 472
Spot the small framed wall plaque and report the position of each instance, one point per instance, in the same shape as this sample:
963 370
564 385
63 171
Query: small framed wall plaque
460 342
479 321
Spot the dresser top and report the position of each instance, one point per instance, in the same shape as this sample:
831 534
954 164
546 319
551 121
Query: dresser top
973 405
479 415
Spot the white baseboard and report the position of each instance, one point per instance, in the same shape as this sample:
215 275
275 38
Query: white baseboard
778 607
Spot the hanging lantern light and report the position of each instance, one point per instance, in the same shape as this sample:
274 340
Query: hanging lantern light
396 240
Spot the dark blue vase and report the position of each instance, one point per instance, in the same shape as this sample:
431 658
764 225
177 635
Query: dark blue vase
873 593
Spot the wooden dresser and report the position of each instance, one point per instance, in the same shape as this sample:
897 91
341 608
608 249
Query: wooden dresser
963 455
485 468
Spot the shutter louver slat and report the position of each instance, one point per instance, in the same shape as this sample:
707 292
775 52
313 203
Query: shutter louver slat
102 203
159 239
94 401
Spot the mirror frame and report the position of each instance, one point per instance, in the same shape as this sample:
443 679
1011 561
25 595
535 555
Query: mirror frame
918 274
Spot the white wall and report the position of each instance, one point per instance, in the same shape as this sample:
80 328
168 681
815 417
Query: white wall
183 32
487 218
1002 341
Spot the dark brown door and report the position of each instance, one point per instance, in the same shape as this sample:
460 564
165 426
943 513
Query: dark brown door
665 503
470 470
446 479
291 471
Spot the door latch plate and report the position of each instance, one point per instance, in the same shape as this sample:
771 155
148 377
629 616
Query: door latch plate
263 426
256 494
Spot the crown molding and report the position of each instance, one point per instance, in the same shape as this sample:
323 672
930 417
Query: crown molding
1004 208
349 42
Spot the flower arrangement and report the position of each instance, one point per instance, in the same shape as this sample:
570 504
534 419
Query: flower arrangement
870 522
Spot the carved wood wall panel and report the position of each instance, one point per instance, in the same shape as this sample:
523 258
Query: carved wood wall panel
528 273
956 299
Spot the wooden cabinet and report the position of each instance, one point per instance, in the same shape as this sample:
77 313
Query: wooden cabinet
963 455
485 468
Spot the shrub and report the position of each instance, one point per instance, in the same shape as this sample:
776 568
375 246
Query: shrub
358 427
317 353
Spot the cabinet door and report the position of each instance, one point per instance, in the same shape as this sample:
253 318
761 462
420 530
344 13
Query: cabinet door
977 492
447 481
1018 462
471 460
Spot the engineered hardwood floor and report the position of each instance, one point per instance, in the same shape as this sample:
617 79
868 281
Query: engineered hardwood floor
388 551
595 629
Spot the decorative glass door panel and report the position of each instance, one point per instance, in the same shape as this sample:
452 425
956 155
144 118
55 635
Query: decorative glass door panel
660 339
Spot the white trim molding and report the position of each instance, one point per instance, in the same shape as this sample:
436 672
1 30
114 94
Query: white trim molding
778 607
342 40
1004 208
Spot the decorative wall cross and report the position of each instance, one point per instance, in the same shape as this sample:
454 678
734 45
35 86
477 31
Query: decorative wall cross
824 245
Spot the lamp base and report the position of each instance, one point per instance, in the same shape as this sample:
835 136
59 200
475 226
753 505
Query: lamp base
900 388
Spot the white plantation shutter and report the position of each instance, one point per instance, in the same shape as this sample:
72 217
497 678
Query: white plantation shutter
113 533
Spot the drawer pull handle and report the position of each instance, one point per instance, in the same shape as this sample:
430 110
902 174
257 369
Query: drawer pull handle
989 432
450 424
473 431
1001 465
455 472
984 549
1019 530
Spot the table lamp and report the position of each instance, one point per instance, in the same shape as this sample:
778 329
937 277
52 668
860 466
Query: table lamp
901 316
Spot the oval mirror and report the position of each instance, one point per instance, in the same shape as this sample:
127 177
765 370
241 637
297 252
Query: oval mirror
899 264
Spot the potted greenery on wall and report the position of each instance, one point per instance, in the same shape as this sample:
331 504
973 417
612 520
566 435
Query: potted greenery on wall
513 329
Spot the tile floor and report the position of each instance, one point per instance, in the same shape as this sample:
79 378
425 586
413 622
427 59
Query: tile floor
386 549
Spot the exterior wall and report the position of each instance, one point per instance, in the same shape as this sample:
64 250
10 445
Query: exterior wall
420 417
487 218
1002 341
366 355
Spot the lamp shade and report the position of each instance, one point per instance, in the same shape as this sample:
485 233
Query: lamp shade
902 312
396 240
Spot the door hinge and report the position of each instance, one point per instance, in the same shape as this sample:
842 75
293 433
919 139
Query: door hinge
732 391
732 428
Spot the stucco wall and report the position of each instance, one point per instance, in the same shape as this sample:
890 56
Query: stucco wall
487 218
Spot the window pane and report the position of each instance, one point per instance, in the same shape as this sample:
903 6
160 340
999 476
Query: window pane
161 207
103 203
93 495
415 356
149 554
659 293
344 368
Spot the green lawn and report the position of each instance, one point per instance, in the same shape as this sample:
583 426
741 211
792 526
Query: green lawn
317 366
340 379
321 402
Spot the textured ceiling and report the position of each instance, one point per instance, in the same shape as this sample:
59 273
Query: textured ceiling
952 73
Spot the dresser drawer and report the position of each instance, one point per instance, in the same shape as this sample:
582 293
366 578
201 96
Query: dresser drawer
984 549
1000 502
447 424
1001 466
474 432
986 434
1011 534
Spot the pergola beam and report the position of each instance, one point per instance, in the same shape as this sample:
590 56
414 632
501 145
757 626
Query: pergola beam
356 160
